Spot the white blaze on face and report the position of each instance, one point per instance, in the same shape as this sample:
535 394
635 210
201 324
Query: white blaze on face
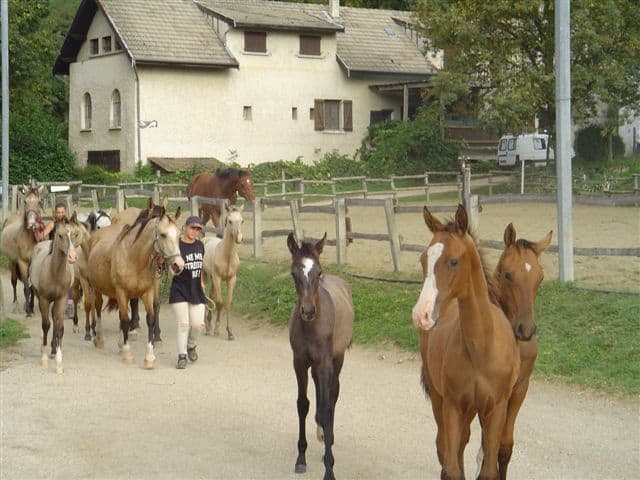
307 265
527 266
423 310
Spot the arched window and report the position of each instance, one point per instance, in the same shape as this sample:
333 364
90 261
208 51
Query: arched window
115 109
86 112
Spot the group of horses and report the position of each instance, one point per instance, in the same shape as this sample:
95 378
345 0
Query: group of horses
477 341
477 329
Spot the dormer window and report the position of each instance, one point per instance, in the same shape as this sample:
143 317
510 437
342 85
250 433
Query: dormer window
94 46
106 44
255 42
310 45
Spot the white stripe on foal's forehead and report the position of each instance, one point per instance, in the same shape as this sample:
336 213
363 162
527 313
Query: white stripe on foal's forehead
527 266
433 254
307 265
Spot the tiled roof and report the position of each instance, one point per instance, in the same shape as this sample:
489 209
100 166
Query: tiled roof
272 15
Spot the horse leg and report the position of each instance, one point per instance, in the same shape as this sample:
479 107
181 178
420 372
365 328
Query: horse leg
204 215
75 297
59 307
23 270
14 284
125 325
149 300
156 317
88 302
335 388
217 299
302 376
452 422
506 442
493 425
44 314
325 410
135 319
99 337
231 283
464 439
208 314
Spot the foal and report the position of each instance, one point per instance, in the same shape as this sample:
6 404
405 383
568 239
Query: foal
470 360
320 331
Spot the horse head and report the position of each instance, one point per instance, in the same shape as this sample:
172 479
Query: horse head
32 198
447 264
63 240
306 272
519 275
233 223
167 241
245 185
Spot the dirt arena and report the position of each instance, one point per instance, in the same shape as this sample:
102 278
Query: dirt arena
593 226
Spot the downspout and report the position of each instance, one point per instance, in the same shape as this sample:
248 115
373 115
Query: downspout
138 136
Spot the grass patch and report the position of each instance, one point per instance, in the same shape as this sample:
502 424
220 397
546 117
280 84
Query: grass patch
585 337
10 332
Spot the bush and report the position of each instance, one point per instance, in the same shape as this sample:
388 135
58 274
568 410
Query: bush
336 165
38 148
272 170
408 148
592 144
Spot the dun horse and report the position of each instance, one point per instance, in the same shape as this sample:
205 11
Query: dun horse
123 264
227 183
320 331
470 361
517 278
220 264
51 274
20 234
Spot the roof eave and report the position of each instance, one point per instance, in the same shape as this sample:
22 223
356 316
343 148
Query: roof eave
167 62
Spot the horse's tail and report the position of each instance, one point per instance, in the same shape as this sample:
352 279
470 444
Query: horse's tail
112 304
423 380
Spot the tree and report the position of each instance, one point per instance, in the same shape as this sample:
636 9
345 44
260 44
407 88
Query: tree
505 50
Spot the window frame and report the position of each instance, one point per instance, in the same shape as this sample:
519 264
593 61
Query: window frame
86 112
319 114
106 41
94 46
112 116
254 35
312 52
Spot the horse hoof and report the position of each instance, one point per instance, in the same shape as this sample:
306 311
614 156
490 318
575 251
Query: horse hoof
99 343
231 337
157 341
59 370
76 329
207 333
133 335
216 333
87 337
29 315
44 362
301 468
128 360
148 364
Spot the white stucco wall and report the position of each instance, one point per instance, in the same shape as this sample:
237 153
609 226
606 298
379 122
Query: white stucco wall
99 76
200 112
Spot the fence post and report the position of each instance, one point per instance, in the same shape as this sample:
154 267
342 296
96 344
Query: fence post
635 182
466 187
426 186
394 238
339 205
14 199
295 219
522 162
301 191
284 186
460 180
490 185
156 195
94 200
474 212
195 204
223 205
120 200
68 200
364 187
257 228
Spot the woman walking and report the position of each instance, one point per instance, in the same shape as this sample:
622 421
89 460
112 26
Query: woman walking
187 297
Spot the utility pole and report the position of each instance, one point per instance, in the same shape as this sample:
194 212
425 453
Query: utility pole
4 19
563 139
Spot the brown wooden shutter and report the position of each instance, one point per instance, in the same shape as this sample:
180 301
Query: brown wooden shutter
347 107
318 111
255 42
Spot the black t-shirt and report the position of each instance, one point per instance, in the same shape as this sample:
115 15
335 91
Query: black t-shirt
186 287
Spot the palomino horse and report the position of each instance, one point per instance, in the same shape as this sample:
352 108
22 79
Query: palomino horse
20 234
123 264
220 263
517 278
470 360
319 332
51 274
227 183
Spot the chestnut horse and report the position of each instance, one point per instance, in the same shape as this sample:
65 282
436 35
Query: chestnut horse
123 264
470 361
20 233
227 183
320 330
220 264
517 278
51 274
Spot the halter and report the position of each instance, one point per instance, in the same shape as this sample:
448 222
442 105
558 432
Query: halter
159 254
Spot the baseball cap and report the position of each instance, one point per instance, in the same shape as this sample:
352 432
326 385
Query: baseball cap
194 221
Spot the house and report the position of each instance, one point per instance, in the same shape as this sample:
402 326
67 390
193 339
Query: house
248 81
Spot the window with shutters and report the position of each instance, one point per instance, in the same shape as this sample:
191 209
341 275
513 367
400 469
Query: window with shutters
332 115
310 45
255 42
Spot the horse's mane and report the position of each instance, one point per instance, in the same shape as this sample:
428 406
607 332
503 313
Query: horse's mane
143 218
230 173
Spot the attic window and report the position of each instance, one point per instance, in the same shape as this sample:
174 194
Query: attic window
118 44
390 32
309 45
94 46
255 42
106 44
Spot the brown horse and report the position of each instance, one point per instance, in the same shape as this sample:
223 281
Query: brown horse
517 278
20 233
227 183
220 264
51 274
470 360
320 331
123 263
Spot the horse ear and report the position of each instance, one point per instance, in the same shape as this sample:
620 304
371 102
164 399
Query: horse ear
462 220
241 208
541 246
432 222
23 189
509 235
177 214
320 244
74 217
40 189
292 244
165 202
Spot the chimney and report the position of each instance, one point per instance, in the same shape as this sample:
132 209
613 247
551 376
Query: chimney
334 8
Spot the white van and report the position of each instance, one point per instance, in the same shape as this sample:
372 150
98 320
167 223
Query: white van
530 147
